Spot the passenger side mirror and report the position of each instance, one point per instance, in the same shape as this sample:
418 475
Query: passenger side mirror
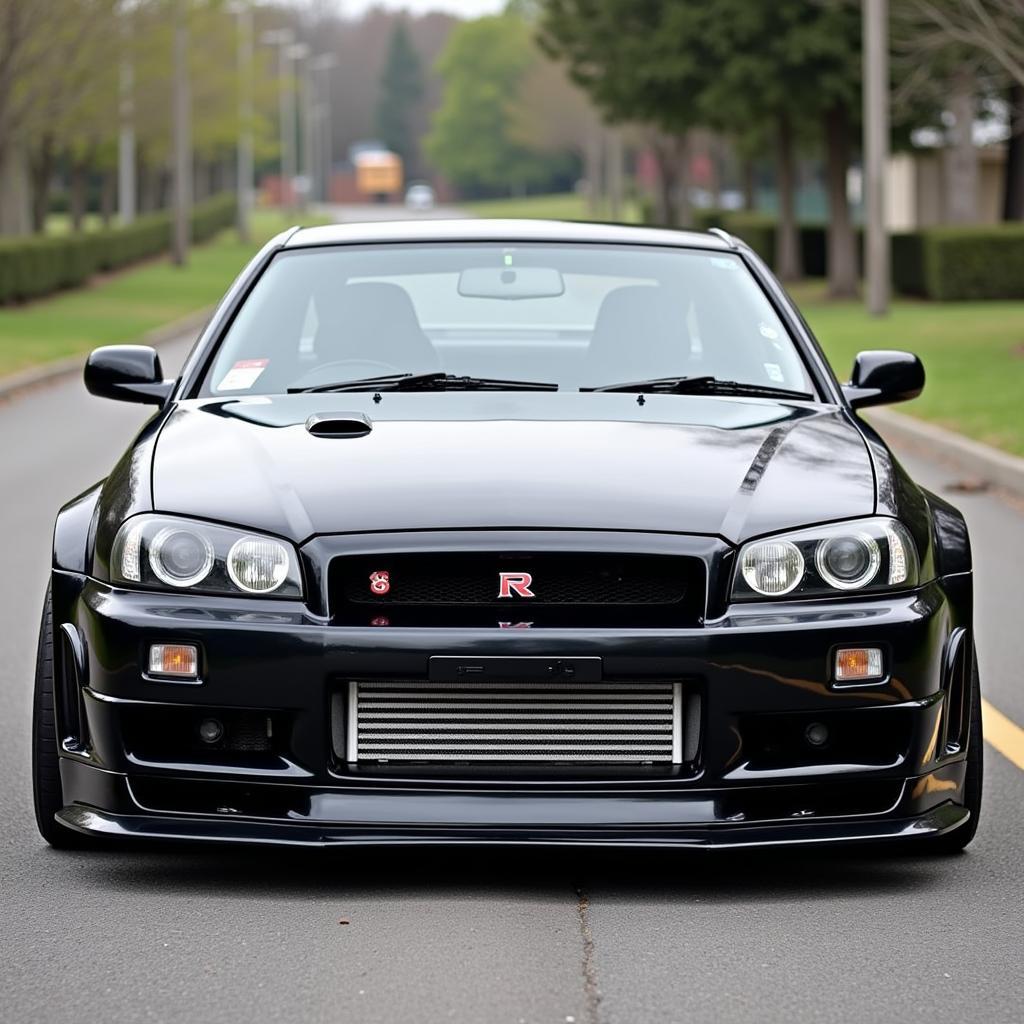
127 373
884 377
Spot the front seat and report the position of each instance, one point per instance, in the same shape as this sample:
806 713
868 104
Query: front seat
373 321
640 332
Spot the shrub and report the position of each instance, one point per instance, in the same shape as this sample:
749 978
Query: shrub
974 262
33 267
907 255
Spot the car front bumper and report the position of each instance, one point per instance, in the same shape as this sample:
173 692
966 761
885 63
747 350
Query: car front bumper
898 772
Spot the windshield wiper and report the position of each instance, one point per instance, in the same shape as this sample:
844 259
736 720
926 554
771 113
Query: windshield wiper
429 382
702 385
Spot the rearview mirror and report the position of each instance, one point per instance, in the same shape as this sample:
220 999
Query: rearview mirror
511 283
127 373
884 377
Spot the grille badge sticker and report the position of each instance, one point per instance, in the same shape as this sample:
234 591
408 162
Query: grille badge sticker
517 583
380 582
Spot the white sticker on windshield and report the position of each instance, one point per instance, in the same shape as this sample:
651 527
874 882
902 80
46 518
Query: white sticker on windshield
768 332
775 373
725 262
243 375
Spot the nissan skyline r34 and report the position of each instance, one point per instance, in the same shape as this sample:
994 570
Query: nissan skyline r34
507 532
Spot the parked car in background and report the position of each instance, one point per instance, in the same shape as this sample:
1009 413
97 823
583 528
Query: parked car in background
420 198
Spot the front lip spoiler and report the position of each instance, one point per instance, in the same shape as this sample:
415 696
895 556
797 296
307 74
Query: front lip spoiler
89 821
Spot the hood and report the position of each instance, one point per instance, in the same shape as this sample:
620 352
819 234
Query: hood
731 467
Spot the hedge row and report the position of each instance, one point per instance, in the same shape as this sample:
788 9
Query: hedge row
941 263
33 267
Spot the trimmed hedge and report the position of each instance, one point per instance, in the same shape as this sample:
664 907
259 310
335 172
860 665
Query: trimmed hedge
973 262
33 267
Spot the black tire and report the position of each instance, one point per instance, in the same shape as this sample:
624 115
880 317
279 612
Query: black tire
957 840
47 793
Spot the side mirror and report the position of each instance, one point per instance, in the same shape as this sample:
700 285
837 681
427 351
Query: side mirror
127 373
884 377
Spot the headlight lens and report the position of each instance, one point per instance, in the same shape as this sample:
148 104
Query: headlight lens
866 555
164 551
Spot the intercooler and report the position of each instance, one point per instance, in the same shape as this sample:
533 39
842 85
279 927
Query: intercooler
532 722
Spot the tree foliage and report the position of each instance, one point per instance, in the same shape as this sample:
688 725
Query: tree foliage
401 89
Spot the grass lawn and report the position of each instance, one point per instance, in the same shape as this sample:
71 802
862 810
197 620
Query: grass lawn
561 206
123 307
973 354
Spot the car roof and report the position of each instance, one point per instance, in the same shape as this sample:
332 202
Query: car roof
485 230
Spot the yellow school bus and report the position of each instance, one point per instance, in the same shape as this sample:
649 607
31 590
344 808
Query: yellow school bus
379 174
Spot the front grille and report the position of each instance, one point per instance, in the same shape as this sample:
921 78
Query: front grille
514 722
559 588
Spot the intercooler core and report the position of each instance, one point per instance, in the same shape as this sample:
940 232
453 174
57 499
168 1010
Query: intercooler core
510 721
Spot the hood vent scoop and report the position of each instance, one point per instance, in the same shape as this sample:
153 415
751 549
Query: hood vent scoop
339 424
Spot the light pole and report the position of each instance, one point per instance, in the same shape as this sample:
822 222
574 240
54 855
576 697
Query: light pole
298 53
182 139
283 38
876 152
126 202
245 185
321 65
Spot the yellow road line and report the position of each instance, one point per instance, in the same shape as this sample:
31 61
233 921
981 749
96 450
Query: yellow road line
1003 733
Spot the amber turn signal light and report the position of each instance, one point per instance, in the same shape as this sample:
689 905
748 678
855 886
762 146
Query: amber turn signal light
858 663
176 661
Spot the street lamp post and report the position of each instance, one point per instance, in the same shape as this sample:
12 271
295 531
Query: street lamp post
321 66
876 152
182 139
245 185
283 39
298 53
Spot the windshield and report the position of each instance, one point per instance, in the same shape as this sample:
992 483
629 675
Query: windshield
573 316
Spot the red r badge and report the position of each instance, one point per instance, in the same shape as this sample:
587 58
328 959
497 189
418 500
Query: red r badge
517 583
380 582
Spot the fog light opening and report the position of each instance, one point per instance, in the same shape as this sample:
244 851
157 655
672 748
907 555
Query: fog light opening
211 730
816 734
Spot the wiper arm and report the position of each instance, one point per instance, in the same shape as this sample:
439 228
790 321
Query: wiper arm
702 385
428 382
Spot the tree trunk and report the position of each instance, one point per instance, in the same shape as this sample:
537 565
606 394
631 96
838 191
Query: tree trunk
749 184
78 194
15 192
787 239
592 155
41 174
108 192
1013 183
668 172
842 243
961 158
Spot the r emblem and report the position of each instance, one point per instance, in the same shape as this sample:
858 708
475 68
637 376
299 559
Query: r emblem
517 583
380 582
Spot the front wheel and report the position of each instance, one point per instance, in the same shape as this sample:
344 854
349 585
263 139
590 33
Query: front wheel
46 786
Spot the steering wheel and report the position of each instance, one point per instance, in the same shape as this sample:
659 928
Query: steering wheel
346 369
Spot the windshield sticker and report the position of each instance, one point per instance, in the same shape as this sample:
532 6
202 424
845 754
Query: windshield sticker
768 332
243 375
725 262
774 372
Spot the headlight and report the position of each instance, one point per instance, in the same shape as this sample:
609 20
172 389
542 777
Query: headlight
866 555
164 551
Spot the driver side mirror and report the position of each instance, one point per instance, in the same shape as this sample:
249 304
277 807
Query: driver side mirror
884 377
127 373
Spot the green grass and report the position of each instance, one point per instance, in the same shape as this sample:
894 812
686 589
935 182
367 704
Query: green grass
973 354
123 307
561 206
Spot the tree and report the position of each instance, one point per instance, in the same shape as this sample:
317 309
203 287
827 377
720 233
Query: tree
643 62
473 139
795 66
959 42
401 88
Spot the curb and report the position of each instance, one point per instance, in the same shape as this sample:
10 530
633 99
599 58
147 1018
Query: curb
36 376
938 444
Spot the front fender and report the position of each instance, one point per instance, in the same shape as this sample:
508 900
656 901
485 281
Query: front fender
75 529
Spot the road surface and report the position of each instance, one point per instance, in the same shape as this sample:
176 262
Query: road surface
226 936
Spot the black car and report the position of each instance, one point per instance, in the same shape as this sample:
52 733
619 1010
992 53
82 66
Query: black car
498 533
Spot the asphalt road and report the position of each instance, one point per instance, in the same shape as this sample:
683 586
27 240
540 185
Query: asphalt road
216 936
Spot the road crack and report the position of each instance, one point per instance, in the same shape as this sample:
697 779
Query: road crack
591 992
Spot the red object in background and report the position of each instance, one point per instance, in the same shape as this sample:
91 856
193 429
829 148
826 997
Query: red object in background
275 191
